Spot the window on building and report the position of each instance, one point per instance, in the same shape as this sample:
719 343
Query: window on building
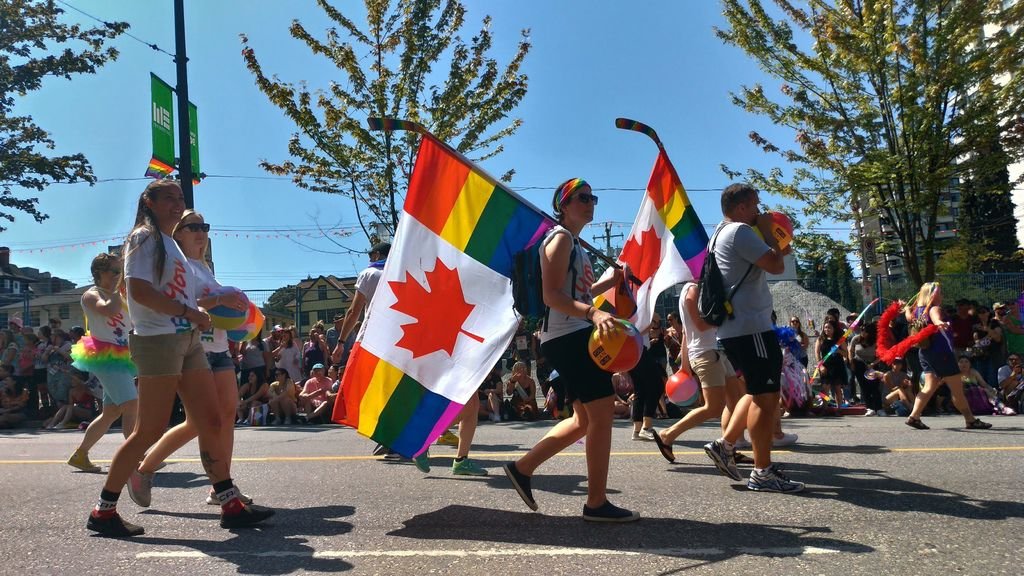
321 315
303 319
33 318
321 292
4 319
64 312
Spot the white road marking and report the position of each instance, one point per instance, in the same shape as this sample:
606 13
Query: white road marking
681 552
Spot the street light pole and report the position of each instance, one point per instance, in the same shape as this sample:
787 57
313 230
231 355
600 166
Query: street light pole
181 90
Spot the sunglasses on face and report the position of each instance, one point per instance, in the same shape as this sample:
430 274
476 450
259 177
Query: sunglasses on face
196 227
586 198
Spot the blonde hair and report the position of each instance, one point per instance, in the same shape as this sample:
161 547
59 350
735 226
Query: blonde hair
925 296
181 223
519 367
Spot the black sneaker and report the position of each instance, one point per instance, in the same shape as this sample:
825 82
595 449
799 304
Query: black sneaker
249 516
113 527
609 512
741 458
380 450
521 483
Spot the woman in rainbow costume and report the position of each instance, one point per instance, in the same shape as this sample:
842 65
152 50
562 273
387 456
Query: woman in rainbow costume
930 333
103 352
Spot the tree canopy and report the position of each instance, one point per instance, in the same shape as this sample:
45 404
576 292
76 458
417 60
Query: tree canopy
389 67
890 103
35 45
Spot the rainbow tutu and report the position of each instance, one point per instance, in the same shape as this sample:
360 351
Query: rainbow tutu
90 354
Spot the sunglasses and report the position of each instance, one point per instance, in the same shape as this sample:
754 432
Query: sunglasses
587 198
196 227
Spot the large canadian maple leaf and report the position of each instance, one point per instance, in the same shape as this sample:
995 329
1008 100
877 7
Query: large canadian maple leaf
643 257
440 309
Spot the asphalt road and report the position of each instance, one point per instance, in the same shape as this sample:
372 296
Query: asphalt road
881 499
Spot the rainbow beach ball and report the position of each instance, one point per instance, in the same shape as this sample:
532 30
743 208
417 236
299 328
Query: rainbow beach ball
681 388
227 318
618 351
251 327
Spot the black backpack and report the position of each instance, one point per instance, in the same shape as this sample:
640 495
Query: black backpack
714 304
527 286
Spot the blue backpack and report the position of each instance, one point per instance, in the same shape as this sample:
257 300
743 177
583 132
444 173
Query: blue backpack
527 286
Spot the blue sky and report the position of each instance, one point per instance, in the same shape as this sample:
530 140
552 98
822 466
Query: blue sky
592 61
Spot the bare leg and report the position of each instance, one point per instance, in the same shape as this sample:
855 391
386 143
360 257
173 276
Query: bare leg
714 403
761 422
956 389
734 390
99 426
738 420
206 415
156 399
598 448
931 384
467 426
560 437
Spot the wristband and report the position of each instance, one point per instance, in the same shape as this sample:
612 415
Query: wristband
184 309
589 315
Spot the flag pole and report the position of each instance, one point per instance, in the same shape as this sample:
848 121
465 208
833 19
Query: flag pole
394 124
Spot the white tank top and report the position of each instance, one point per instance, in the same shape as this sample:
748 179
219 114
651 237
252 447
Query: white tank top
110 329
559 324
697 341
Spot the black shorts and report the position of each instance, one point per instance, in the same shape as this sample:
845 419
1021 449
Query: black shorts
942 364
759 358
569 355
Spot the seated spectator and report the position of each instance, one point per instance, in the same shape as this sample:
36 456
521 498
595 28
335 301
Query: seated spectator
972 377
316 398
253 399
1011 382
283 398
334 374
13 400
623 385
490 395
897 389
523 391
80 404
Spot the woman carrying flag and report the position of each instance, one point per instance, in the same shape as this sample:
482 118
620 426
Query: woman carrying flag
568 294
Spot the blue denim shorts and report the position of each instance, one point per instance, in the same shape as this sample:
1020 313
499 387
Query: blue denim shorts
220 361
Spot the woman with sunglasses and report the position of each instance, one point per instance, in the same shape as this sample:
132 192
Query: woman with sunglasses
568 285
191 234
165 347
103 352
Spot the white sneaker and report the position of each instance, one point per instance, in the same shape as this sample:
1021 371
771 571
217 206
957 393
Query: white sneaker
869 412
743 443
786 440
647 434
772 480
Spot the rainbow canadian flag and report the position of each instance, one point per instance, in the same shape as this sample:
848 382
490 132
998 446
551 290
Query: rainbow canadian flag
666 245
442 314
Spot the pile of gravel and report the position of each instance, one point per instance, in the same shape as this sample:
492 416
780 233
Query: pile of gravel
791 299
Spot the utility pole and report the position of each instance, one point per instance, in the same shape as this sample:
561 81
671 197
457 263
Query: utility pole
607 237
181 90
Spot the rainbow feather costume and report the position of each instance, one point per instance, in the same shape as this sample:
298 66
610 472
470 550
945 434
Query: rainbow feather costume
90 354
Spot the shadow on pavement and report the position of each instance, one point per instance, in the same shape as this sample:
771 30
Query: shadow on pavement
661 536
878 490
279 547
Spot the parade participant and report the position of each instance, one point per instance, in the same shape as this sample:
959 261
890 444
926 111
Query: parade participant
191 234
103 352
937 359
564 343
166 349
748 337
722 388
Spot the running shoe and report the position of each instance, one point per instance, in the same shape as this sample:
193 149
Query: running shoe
81 461
646 434
249 516
723 458
113 527
448 439
787 439
140 488
467 468
422 462
772 480
609 512
521 483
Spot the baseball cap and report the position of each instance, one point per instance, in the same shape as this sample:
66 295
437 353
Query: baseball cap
278 328
382 247
998 305
318 366
339 317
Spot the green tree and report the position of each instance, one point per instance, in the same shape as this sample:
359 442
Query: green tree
986 227
887 100
387 69
35 45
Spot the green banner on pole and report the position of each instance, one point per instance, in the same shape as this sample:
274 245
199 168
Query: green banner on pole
162 115
193 138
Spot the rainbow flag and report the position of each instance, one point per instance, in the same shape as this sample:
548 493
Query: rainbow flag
158 169
666 245
442 313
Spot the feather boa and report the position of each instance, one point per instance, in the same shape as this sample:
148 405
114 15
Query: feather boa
887 348
90 354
